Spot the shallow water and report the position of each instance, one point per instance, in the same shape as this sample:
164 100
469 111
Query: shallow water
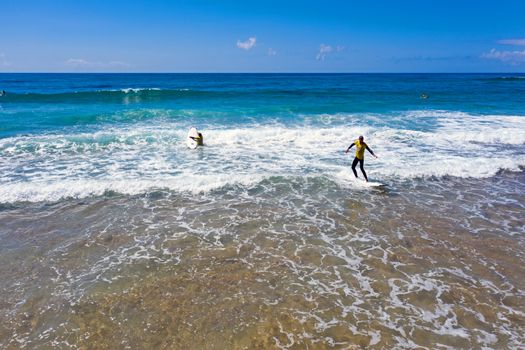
287 263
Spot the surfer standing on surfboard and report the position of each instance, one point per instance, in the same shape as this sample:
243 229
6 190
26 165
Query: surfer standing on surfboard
360 155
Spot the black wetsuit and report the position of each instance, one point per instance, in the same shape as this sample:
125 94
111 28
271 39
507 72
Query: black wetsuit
361 165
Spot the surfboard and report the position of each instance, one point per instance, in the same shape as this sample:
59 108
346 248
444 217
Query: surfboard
372 184
348 177
360 182
191 143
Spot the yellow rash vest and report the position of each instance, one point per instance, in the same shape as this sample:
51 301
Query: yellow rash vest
360 149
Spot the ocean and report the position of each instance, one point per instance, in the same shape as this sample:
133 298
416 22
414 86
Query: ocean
115 235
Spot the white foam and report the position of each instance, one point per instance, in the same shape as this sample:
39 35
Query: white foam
135 90
142 157
55 190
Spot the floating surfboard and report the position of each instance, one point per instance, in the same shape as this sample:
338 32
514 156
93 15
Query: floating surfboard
191 143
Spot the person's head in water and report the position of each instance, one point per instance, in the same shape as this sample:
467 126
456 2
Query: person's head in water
361 138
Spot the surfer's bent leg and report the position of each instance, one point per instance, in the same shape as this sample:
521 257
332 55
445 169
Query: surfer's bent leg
354 163
361 165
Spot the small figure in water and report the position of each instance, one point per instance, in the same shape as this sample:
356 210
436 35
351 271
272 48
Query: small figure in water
424 96
3 93
199 139
360 155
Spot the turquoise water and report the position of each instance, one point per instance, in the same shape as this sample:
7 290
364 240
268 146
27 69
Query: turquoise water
50 102
113 234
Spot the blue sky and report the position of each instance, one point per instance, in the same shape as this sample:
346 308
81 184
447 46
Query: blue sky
262 36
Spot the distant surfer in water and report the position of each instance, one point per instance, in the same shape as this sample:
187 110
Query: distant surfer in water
199 139
360 155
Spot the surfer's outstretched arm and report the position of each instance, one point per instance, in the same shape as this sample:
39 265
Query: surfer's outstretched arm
348 149
369 150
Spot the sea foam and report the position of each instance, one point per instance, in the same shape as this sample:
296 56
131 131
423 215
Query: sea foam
139 158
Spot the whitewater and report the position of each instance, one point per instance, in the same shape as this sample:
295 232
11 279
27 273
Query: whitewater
136 159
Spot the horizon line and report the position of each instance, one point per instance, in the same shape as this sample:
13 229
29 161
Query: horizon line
36 72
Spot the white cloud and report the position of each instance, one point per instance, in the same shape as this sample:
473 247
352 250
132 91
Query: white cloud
82 63
323 51
77 62
512 57
248 44
3 60
340 48
271 52
514 42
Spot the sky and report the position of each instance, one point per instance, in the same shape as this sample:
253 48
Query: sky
262 36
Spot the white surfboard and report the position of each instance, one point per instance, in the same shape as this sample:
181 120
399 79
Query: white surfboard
191 143
360 182
372 184
349 178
